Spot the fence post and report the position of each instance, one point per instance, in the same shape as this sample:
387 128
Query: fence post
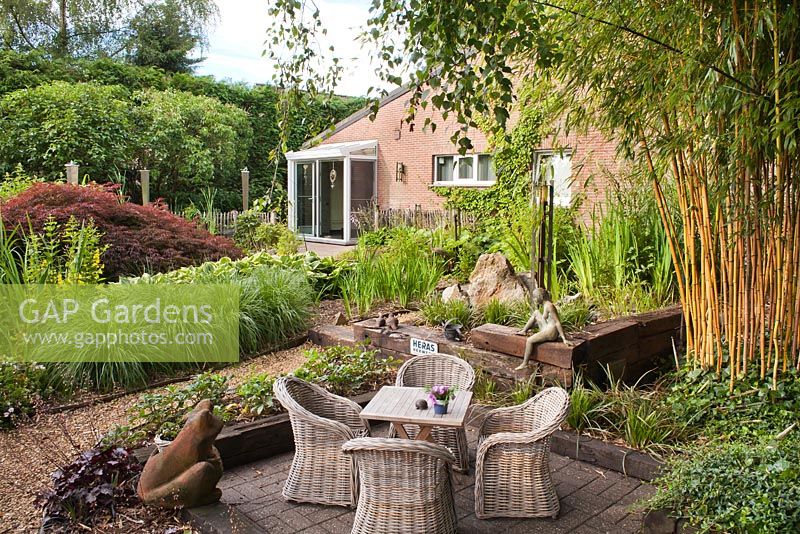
72 172
144 180
245 189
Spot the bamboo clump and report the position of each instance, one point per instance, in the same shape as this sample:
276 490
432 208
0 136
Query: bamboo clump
737 251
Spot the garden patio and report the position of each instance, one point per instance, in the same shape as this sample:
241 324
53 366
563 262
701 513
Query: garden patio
593 500
548 283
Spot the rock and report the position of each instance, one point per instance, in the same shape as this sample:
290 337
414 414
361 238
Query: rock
454 292
340 319
494 278
186 473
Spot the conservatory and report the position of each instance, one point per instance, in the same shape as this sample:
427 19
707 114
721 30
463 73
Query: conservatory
327 184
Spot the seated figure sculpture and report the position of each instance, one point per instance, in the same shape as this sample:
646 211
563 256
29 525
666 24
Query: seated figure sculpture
187 471
548 323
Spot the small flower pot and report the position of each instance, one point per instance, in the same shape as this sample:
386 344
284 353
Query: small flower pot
440 408
161 443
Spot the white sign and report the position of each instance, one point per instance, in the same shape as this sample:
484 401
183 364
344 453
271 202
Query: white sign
420 347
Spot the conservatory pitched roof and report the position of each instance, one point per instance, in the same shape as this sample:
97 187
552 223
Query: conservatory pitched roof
333 150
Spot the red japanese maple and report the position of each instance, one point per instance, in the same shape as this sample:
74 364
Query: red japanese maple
141 238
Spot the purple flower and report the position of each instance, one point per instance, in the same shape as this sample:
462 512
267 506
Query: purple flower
440 392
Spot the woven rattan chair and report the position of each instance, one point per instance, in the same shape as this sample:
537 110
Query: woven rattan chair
406 487
512 470
321 421
429 370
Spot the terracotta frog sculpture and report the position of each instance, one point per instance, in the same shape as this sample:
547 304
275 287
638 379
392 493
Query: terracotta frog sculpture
187 471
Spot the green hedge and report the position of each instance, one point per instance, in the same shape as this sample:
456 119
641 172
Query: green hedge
43 128
26 71
190 141
187 141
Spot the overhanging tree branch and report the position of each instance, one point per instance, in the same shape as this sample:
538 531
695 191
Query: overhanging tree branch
21 31
657 42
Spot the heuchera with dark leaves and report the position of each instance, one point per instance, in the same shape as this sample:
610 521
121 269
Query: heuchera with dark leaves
91 488
141 238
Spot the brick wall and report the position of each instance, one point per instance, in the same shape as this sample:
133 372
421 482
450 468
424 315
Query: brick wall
592 155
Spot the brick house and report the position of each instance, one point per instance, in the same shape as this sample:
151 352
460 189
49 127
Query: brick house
389 163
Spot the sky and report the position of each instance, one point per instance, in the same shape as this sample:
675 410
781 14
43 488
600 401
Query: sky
237 42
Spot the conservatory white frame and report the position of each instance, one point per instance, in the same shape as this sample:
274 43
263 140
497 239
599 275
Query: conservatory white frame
346 152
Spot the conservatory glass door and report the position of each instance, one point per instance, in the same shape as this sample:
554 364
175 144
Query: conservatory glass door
330 201
305 197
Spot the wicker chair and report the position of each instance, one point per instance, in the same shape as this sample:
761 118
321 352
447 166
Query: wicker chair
406 486
431 369
512 470
321 421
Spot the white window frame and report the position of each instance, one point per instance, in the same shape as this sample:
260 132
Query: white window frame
558 198
457 181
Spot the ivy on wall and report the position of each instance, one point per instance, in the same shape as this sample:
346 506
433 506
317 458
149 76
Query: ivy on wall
514 156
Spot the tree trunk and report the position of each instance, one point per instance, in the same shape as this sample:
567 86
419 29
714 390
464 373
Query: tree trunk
62 41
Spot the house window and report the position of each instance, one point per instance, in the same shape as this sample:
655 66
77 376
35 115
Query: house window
444 168
558 168
466 168
486 168
475 169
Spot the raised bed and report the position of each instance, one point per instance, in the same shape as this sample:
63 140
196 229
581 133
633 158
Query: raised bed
398 345
243 443
621 459
628 346
663 522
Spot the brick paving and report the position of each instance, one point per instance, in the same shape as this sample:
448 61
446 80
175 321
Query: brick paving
593 500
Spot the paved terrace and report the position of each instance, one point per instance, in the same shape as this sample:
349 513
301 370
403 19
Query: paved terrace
593 500
326 249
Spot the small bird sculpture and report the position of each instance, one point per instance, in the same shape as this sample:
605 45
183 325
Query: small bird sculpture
382 320
452 330
391 322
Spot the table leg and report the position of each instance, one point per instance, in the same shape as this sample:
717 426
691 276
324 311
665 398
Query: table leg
401 431
425 433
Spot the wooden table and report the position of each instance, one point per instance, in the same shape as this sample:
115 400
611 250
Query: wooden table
397 405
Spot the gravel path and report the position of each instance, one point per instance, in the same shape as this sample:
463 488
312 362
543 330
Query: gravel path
29 453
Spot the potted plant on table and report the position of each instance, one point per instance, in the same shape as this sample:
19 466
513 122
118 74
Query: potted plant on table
440 396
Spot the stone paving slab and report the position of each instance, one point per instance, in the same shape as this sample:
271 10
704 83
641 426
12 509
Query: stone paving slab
327 249
593 501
